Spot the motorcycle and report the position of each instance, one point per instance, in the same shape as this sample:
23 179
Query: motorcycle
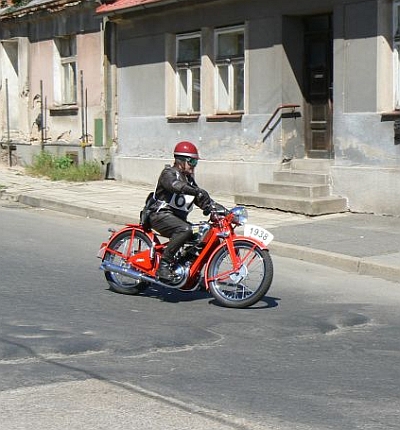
235 268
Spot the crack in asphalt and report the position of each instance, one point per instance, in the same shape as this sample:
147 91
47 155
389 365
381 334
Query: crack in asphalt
178 349
50 357
234 423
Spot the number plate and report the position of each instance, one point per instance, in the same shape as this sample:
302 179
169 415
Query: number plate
259 233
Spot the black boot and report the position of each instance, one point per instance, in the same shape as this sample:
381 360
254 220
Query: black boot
164 271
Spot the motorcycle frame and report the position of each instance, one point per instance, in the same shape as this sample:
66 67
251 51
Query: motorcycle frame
222 234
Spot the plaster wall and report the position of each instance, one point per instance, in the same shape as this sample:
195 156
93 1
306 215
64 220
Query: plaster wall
369 189
146 73
237 156
43 63
38 64
363 88
218 177
363 139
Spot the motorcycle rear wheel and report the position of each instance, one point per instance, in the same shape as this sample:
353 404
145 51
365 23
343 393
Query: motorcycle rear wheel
120 283
245 287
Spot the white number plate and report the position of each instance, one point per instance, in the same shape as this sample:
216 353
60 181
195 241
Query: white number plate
259 233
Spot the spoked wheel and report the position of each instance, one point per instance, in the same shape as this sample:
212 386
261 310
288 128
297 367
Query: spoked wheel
247 285
120 283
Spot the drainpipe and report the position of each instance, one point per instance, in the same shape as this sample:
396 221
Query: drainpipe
42 117
8 126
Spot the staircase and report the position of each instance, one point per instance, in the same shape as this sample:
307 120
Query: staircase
300 186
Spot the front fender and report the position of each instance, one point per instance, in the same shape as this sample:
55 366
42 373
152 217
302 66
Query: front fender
259 243
229 244
240 238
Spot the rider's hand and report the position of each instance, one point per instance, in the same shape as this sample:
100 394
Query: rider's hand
207 210
202 194
203 199
220 209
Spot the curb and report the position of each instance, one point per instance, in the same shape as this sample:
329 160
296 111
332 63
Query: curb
86 212
361 266
317 256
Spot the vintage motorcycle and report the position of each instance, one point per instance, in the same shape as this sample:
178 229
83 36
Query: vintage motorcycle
236 268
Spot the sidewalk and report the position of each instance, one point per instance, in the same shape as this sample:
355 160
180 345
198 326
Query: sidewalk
362 243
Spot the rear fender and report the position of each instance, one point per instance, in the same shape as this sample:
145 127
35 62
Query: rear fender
128 227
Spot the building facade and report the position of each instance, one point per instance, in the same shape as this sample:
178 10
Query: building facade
215 71
256 85
52 78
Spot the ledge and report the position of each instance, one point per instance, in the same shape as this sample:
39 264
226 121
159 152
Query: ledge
183 118
390 116
68 110
234 117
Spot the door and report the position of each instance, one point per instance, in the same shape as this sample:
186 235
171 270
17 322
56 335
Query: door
318 86
10 66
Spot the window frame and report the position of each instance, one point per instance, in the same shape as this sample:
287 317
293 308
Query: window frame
68 71
184 99
231 63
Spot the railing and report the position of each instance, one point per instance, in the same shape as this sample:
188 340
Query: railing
292 114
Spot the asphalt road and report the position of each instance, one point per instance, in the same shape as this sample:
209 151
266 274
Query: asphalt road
320 352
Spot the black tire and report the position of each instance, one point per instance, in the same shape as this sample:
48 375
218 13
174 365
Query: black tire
249 285
120 283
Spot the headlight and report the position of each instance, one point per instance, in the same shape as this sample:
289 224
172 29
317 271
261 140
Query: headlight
240 215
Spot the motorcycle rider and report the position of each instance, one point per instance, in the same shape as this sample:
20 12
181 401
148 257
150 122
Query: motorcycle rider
173 199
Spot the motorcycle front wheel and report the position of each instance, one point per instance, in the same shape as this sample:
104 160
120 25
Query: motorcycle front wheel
247 285
120 283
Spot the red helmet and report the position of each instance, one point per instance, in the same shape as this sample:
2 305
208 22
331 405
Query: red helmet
186 149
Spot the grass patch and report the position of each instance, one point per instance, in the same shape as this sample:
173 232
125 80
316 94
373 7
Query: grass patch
62 168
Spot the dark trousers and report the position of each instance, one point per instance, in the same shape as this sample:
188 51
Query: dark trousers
173 227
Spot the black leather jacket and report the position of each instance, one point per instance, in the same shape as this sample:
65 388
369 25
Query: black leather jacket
176 193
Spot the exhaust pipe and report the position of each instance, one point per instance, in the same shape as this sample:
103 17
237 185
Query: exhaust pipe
135 274
126 271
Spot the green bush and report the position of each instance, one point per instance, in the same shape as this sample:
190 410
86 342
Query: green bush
62 168
63 162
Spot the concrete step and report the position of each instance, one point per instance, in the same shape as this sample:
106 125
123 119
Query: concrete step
295 189
301 176
306 206
309 164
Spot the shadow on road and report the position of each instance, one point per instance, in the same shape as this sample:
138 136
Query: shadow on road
177 296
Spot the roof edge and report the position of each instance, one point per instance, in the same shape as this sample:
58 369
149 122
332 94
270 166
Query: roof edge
118 7
17 12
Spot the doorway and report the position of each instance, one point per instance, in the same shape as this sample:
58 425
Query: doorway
10 66
318 86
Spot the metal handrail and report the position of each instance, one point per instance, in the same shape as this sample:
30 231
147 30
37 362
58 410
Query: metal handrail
279 108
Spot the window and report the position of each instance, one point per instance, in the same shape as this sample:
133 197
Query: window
188 73
396 53
230 69
66 50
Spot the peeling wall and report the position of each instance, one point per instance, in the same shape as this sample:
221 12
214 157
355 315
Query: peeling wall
36 70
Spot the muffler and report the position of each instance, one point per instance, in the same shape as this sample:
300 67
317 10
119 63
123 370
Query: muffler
135 274
126 271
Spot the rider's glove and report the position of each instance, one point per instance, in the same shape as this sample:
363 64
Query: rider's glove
203 198
220 209
201 194
207 210
216 209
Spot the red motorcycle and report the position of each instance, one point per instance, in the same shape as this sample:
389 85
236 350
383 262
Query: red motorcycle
236 269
